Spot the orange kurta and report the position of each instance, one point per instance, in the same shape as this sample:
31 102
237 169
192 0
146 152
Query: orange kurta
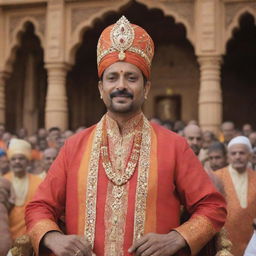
172 172
17 214
239 220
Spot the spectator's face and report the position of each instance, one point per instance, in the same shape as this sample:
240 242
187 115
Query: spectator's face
49 156
247 129
42 144
228 130
4 164
217 160
239 156
19 164
252 139
194 139
253 159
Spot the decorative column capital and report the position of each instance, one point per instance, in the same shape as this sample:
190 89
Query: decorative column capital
209 60
57 66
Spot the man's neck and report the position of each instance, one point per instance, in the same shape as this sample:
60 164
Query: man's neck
122 118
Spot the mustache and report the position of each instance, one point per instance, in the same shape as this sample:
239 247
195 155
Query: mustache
122 93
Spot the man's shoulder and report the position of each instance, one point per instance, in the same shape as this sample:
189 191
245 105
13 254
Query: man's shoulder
81 136
221 172
167 134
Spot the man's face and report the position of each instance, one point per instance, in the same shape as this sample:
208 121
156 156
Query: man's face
122 88
19 163
253 159
217 160
239 156
49 156
4 164
252 139
247 130
194 138
228 130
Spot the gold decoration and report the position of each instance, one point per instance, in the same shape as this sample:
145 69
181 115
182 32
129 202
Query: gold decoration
92 182
142 182
122 36
116 177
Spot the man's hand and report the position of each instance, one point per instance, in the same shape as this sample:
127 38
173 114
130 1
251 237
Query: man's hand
67 245
158 245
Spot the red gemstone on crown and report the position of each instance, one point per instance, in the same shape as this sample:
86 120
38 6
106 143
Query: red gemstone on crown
121 40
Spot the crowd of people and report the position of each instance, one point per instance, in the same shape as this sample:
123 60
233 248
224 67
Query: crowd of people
42 148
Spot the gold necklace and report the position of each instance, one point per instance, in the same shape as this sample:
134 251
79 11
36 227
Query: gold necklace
116 178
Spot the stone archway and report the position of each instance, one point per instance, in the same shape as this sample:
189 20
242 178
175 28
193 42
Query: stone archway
26 86
238 73
175 69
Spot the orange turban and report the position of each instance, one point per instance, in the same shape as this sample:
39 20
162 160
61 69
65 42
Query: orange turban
127 42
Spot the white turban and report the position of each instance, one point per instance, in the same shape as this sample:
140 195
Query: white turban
240 140
17 146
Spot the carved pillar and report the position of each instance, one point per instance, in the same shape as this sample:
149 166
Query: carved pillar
3 77
56 112
210 96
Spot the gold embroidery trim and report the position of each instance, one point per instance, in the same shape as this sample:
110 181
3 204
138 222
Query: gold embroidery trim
92 182
142 182
197 231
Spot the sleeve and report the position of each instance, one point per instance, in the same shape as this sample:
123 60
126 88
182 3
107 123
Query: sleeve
206 206
48 204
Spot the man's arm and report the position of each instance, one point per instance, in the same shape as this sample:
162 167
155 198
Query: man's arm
204 204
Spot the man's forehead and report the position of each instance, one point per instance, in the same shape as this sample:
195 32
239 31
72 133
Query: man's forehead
238 147
122 67
14 156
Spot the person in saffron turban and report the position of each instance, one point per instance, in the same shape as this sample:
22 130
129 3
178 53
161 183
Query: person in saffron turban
121 182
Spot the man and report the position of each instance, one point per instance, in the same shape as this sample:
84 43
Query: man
49 155
239 185
228 132
217 156
121 183
247 130
252 138
193 135
253 159
24 184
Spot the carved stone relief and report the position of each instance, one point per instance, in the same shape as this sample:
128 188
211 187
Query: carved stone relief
15 20
232 9
184 9
79 15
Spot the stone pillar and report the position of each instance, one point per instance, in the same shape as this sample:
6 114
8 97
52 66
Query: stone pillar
210 97
56 112
3 77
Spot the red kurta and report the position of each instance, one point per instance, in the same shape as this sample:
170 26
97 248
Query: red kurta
176 177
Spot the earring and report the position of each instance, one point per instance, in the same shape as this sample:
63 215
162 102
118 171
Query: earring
146 97
101 96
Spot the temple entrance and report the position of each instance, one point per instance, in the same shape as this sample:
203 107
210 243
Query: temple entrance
239 74
26 87
175 70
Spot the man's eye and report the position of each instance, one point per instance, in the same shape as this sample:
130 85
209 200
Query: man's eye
132 78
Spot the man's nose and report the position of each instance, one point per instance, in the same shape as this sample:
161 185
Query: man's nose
121 83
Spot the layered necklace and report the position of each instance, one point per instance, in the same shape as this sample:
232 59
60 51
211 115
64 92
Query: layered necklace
115 176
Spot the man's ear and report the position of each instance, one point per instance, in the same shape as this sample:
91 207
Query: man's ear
147 89
100 88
